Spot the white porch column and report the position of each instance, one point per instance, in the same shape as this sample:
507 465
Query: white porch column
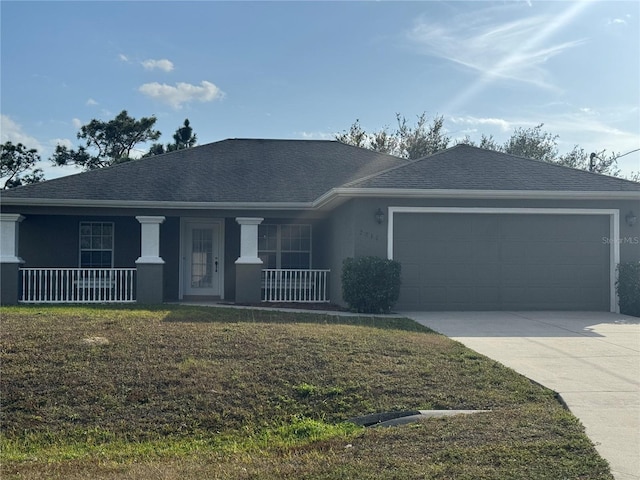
9 259
150 239
248 264
9 227
150 266
249 240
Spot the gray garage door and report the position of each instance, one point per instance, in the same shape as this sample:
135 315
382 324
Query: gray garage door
502 261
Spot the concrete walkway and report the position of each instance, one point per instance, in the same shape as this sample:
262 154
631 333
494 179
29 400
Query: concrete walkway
591 359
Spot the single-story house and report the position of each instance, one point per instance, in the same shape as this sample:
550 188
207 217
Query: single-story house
245 220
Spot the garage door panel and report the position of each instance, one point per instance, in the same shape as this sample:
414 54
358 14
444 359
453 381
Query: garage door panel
411 273
485 251
504 261
516 227
447 228
486 274
591 296
435 294
460 294
551 296
457 274
457 252
511 251
485 226
487 295
514 274
410 295
540 275
596 251
592 275
587 227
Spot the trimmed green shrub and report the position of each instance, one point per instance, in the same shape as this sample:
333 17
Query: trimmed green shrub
628 288
370 284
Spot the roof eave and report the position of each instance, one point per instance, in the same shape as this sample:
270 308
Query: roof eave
330 198
129 204
339 194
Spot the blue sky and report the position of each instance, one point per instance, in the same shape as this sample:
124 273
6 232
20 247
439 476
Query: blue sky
308 70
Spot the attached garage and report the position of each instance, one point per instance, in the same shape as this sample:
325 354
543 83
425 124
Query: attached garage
504 259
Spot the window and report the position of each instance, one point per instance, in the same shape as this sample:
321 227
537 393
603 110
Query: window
96 244
285 246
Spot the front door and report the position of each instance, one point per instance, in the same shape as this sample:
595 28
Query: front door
201 259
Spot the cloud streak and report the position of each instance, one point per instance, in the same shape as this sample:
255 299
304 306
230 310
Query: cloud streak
182 93
515 50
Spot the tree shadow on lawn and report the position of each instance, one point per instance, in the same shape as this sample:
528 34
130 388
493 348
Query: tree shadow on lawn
217 314
175 313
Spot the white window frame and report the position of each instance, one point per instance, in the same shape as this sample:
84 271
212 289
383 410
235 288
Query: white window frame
81 250
279 251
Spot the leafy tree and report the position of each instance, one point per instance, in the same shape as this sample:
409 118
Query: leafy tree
598 162
183 138
428 138
532 143
423 139
355 136
407 141
156 149
18 164
107 143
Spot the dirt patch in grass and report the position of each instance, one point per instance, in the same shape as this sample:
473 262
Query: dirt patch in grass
264 394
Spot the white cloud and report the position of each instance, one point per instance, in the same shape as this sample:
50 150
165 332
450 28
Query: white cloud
317 135
12 132
181 93
163 64
123 58
503 124
77 123
91 102
617 21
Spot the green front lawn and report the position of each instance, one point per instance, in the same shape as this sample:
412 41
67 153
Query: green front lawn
189 392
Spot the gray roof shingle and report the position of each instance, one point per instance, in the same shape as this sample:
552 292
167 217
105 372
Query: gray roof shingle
234 170
300 171
464 167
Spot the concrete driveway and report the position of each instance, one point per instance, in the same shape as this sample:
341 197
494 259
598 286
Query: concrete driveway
591 359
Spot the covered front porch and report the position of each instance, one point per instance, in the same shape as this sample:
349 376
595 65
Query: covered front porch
118 285
178 258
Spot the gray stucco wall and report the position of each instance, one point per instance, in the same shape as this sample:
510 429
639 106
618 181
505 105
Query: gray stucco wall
53 241
170 253
340 245
231 254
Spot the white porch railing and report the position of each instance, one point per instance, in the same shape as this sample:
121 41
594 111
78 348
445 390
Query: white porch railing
300 286
77 285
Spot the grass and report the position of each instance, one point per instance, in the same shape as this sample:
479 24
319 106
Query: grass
190 392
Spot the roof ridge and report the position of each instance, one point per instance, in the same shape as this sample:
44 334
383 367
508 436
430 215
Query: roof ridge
408 162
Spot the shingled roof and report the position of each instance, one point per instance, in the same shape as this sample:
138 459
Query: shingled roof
464 167
299 172
229 171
